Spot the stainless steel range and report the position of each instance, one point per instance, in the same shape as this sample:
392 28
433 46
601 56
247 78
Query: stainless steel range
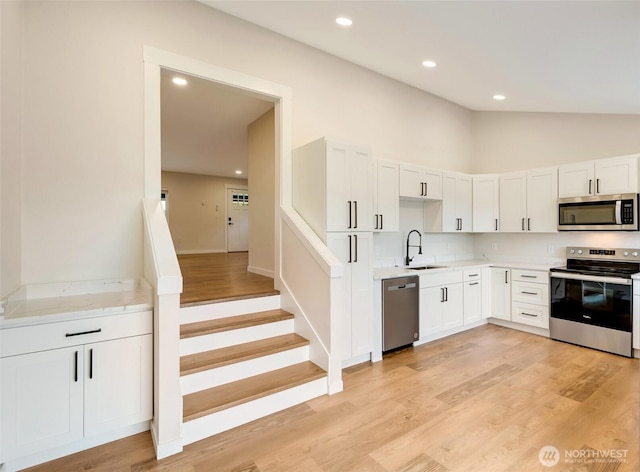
591 298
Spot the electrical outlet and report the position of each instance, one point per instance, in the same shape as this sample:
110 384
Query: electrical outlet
377 250
494 246
550 249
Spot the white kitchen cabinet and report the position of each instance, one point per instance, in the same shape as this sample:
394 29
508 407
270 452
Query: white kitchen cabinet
58 388
472 291
501 293
420 183
42 401
355 252
486 203
529 201
333 186
530 297
453 213
386 197
441 302
601 177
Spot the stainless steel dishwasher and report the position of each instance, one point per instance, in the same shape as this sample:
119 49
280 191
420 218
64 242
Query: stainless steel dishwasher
400 312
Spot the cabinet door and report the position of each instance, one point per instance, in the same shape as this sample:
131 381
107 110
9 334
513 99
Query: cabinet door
450 222
360 189
340 245
411 182
339 210
118 383
513 202
486 203
472 304
463 203
432 179
361 294
42 401
576 180
387 197
501 293
542 200
431 310
453 316
617 175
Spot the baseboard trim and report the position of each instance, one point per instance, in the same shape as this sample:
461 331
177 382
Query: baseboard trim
167 449
260 271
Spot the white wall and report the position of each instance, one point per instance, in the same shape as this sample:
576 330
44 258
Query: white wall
11 60
262 157
83 119
504 142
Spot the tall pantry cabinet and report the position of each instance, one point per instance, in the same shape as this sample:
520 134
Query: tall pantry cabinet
333 192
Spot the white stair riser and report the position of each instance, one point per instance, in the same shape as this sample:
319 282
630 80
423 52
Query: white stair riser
214 311
209 342
216 423
241 370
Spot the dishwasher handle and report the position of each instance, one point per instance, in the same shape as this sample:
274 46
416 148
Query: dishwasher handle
391 288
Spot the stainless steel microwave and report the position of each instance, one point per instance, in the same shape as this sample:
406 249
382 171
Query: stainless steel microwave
599 213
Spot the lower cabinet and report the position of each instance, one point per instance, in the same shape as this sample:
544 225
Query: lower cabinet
441 302
530 297
55 397
501 293
472 290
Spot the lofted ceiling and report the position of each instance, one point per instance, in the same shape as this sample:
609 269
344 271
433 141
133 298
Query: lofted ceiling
204 126
544 56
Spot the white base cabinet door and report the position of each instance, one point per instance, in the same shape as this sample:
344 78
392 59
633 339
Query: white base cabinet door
118 383
472 302
42 401
501 293
440 309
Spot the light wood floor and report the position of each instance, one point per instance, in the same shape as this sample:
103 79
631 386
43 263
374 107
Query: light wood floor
208 277
486 400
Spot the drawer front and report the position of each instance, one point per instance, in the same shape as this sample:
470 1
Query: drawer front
470 275
532 315
15 341
530 293
530 276
441 278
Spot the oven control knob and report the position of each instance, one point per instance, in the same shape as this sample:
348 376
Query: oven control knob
626 253
634 254
572 251
579 251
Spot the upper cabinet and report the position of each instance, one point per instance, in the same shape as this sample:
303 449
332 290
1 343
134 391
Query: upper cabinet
601 177
453 213
386 196
529 201
333 186
420 183
486 203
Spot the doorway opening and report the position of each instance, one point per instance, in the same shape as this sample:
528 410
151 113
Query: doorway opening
212 209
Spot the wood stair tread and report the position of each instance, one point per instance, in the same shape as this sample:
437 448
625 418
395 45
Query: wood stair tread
212 400
233 322
202 361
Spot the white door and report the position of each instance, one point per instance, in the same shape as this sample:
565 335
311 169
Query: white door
486 203
542 200
513 202
237 220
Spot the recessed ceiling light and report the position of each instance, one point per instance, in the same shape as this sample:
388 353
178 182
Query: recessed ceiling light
179 81
499 97
344 21
429 64
238 172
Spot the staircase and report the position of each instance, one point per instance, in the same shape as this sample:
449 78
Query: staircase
240 361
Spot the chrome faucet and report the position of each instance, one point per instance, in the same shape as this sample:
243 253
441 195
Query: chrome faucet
419 246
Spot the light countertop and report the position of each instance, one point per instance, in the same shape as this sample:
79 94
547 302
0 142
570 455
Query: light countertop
49 303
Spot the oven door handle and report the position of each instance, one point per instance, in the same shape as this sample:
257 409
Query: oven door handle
591 278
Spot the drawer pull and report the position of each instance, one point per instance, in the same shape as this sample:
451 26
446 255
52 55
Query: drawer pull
524 276
528 314
474 283
69 335
529 293
473 275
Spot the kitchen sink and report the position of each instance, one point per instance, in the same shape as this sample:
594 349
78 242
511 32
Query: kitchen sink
426 267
